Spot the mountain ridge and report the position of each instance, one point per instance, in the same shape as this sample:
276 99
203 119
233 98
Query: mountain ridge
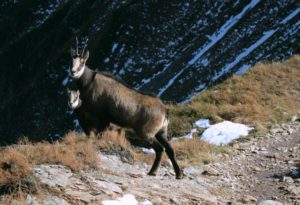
155 46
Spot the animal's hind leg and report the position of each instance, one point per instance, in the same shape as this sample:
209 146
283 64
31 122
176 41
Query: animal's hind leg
162 138
158 155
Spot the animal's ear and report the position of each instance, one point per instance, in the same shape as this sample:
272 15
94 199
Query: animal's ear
86 56
78 93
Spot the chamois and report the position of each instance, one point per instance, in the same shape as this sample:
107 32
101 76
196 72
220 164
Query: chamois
111 100
90 124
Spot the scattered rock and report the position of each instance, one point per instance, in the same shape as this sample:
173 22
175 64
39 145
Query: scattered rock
248 199
55 201
293 118
294 190
174 200
288 180
269 202
157 201
211 172
54 176
276 130
257 169
193 171
29 199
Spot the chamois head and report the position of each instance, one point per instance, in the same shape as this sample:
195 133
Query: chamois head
74 99
79 61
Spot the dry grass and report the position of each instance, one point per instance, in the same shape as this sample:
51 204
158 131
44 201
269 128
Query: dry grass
189 152
196 152
16 179
267 93
16 198
13 167
114 142
73 151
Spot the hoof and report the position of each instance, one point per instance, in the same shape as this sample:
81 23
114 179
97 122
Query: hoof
152 174
179 176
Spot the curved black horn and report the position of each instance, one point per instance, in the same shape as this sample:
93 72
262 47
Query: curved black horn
77 53
83 50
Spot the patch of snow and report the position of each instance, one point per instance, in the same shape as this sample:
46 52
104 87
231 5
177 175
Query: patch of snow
147 80
127 199
204 62
128 62
162 90
122 72
171 43
43 13
225 132
146 202
65 81
187 136
114 47
245 53
202 123
290 16
242 69
218 35
214 38
147 151
76 123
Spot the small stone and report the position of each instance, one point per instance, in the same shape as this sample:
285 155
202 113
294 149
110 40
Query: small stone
297 180
124 187
278 157
269 202
174 200
156 201
248 199
263 149
55 201
29 199
257 169
211 172
276 130
295 190
293 118
289 180
194 171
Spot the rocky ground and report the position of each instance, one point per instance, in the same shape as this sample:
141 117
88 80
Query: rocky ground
264 168
261 171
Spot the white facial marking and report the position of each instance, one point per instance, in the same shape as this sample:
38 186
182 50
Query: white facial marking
74 100
77 68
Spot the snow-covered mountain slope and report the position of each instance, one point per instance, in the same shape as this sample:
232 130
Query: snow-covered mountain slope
173 48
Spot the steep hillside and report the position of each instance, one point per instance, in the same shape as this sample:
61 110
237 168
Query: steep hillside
267 94
171 48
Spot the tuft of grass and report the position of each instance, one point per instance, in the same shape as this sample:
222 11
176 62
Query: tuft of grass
268 93
14 167
77 153
114 141
194 152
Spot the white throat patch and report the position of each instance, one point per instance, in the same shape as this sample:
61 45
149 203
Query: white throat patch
79 73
